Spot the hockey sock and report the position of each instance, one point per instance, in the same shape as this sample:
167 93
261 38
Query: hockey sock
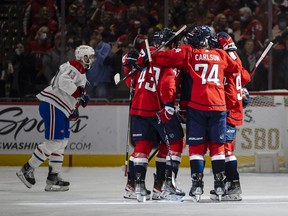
197 166
231 170
160 170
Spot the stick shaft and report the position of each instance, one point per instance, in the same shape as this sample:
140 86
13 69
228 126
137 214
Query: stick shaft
261 57
170 39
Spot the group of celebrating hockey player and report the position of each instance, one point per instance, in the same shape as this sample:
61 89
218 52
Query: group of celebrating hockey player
210 76
203 69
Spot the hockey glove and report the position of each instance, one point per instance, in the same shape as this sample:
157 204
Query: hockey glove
84 99
182 116
165 114
74 116
246 99
132 57
80 91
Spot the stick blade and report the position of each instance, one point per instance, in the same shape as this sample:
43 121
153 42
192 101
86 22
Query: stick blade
117 78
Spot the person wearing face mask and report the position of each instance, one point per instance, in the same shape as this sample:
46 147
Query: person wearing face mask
38 48
21 70
250 27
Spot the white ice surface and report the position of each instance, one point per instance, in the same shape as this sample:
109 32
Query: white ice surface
99 192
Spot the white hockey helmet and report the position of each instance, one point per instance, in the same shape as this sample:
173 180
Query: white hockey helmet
86 54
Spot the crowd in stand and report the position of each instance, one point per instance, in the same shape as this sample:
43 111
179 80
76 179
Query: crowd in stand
110 26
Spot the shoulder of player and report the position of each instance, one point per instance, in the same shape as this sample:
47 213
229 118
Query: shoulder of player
78 66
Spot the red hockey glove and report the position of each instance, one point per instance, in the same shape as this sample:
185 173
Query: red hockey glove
166 113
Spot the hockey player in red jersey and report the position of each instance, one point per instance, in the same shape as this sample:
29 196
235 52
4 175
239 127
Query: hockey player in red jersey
151 93
206 108
233 88
59 104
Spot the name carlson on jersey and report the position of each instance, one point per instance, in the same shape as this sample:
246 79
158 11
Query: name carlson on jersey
207 57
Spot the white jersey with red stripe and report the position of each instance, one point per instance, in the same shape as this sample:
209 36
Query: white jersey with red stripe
59 93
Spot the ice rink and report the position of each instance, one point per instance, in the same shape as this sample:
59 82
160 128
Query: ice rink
99 191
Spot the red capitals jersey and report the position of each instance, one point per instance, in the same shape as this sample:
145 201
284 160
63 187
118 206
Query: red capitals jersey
146 99
206 70
233 92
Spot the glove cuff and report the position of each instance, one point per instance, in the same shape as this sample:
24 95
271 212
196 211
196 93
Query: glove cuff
169 109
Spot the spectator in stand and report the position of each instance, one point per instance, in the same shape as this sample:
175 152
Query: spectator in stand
100 75
232 13
133 24
21 70
248 58
79 27
204 17
262 14
282 70
178 10
51 59
216 6
114 59
220 24
250 28
281 25
114 7
190 17
38 13
38 47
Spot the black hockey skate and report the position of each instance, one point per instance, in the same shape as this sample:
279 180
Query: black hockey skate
171 192
55 183
130 190
232 192
197 187
26 175
140 190
219 184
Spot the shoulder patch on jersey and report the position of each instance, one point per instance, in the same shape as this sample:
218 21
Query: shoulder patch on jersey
78 66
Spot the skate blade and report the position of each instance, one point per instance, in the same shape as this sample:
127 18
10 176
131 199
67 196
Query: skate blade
220 197
156 197
22 178
231 197
55 188
141 198
196 198
133 196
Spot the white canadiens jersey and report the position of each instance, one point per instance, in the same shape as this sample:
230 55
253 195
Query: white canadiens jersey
59 93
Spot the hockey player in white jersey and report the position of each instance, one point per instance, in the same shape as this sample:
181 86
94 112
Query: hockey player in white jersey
59 104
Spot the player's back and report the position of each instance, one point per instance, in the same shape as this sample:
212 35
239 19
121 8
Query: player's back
146 100
207 73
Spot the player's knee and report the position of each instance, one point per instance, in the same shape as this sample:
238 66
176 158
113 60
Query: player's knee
177 146
50 146
162 150
199 149
216 149
143 147
229 149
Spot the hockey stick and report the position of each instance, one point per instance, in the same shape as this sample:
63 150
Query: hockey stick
164 128
117 76
169 40
261 58
129 127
